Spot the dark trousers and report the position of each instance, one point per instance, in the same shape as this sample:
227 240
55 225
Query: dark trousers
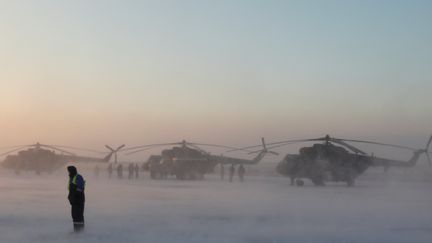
78 216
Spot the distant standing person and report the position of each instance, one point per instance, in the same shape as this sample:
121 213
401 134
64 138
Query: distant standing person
131 169
120 171
241 172
136 171
76 197
222 171
231 172
110 170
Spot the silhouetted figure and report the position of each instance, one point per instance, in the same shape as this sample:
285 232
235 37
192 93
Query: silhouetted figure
76 197
96 171
120 171
222 171
241 172
144 166
136 171
231 172
131 169
110 170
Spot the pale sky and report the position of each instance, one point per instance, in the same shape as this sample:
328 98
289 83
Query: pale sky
94 72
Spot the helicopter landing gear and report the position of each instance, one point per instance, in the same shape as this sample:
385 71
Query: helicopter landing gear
350 179
351 182
318 181
299 182
292 181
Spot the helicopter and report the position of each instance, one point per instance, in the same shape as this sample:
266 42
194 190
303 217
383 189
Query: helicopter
327 162
188 161
43 158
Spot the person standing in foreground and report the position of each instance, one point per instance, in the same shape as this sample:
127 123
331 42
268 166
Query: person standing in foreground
76 197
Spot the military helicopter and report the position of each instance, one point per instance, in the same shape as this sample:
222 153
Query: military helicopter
189 161
323 162
43 158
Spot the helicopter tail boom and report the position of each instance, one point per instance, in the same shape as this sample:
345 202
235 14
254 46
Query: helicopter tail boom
411 162
256 160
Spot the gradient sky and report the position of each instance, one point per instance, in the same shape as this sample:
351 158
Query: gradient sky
94 72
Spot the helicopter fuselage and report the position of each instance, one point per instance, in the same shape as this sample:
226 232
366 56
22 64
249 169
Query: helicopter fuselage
324 162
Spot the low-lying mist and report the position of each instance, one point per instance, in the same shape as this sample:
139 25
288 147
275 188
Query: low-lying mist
392 207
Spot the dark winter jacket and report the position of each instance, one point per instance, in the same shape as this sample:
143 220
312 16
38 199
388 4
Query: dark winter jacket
76 187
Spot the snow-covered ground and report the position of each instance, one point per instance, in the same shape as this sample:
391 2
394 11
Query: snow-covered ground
394 207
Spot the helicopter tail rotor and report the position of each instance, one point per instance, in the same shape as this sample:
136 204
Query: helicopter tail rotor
418 152
426 151
113 151
108 157
264 149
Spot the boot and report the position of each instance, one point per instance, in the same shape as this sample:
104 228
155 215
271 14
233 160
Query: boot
78 227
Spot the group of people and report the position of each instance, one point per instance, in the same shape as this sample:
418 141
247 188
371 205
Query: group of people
133 171
240 171
76 186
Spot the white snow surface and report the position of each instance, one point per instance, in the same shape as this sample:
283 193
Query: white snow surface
393 207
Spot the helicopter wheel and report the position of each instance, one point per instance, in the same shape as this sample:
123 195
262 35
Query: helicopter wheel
318 181
299 182
180 176
350 179
350 182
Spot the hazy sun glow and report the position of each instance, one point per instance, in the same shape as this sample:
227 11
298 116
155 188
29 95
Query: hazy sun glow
90 73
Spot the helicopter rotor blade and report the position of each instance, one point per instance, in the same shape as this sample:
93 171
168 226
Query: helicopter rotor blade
262 150
197 148
152 145
16 146
144 148
298 141
61 150
178 143
78 148
16 149
428 143
120 147
289 142
244 148
352 148
108 147
139 150
282 143
215 145
376 143
194 145
429 159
